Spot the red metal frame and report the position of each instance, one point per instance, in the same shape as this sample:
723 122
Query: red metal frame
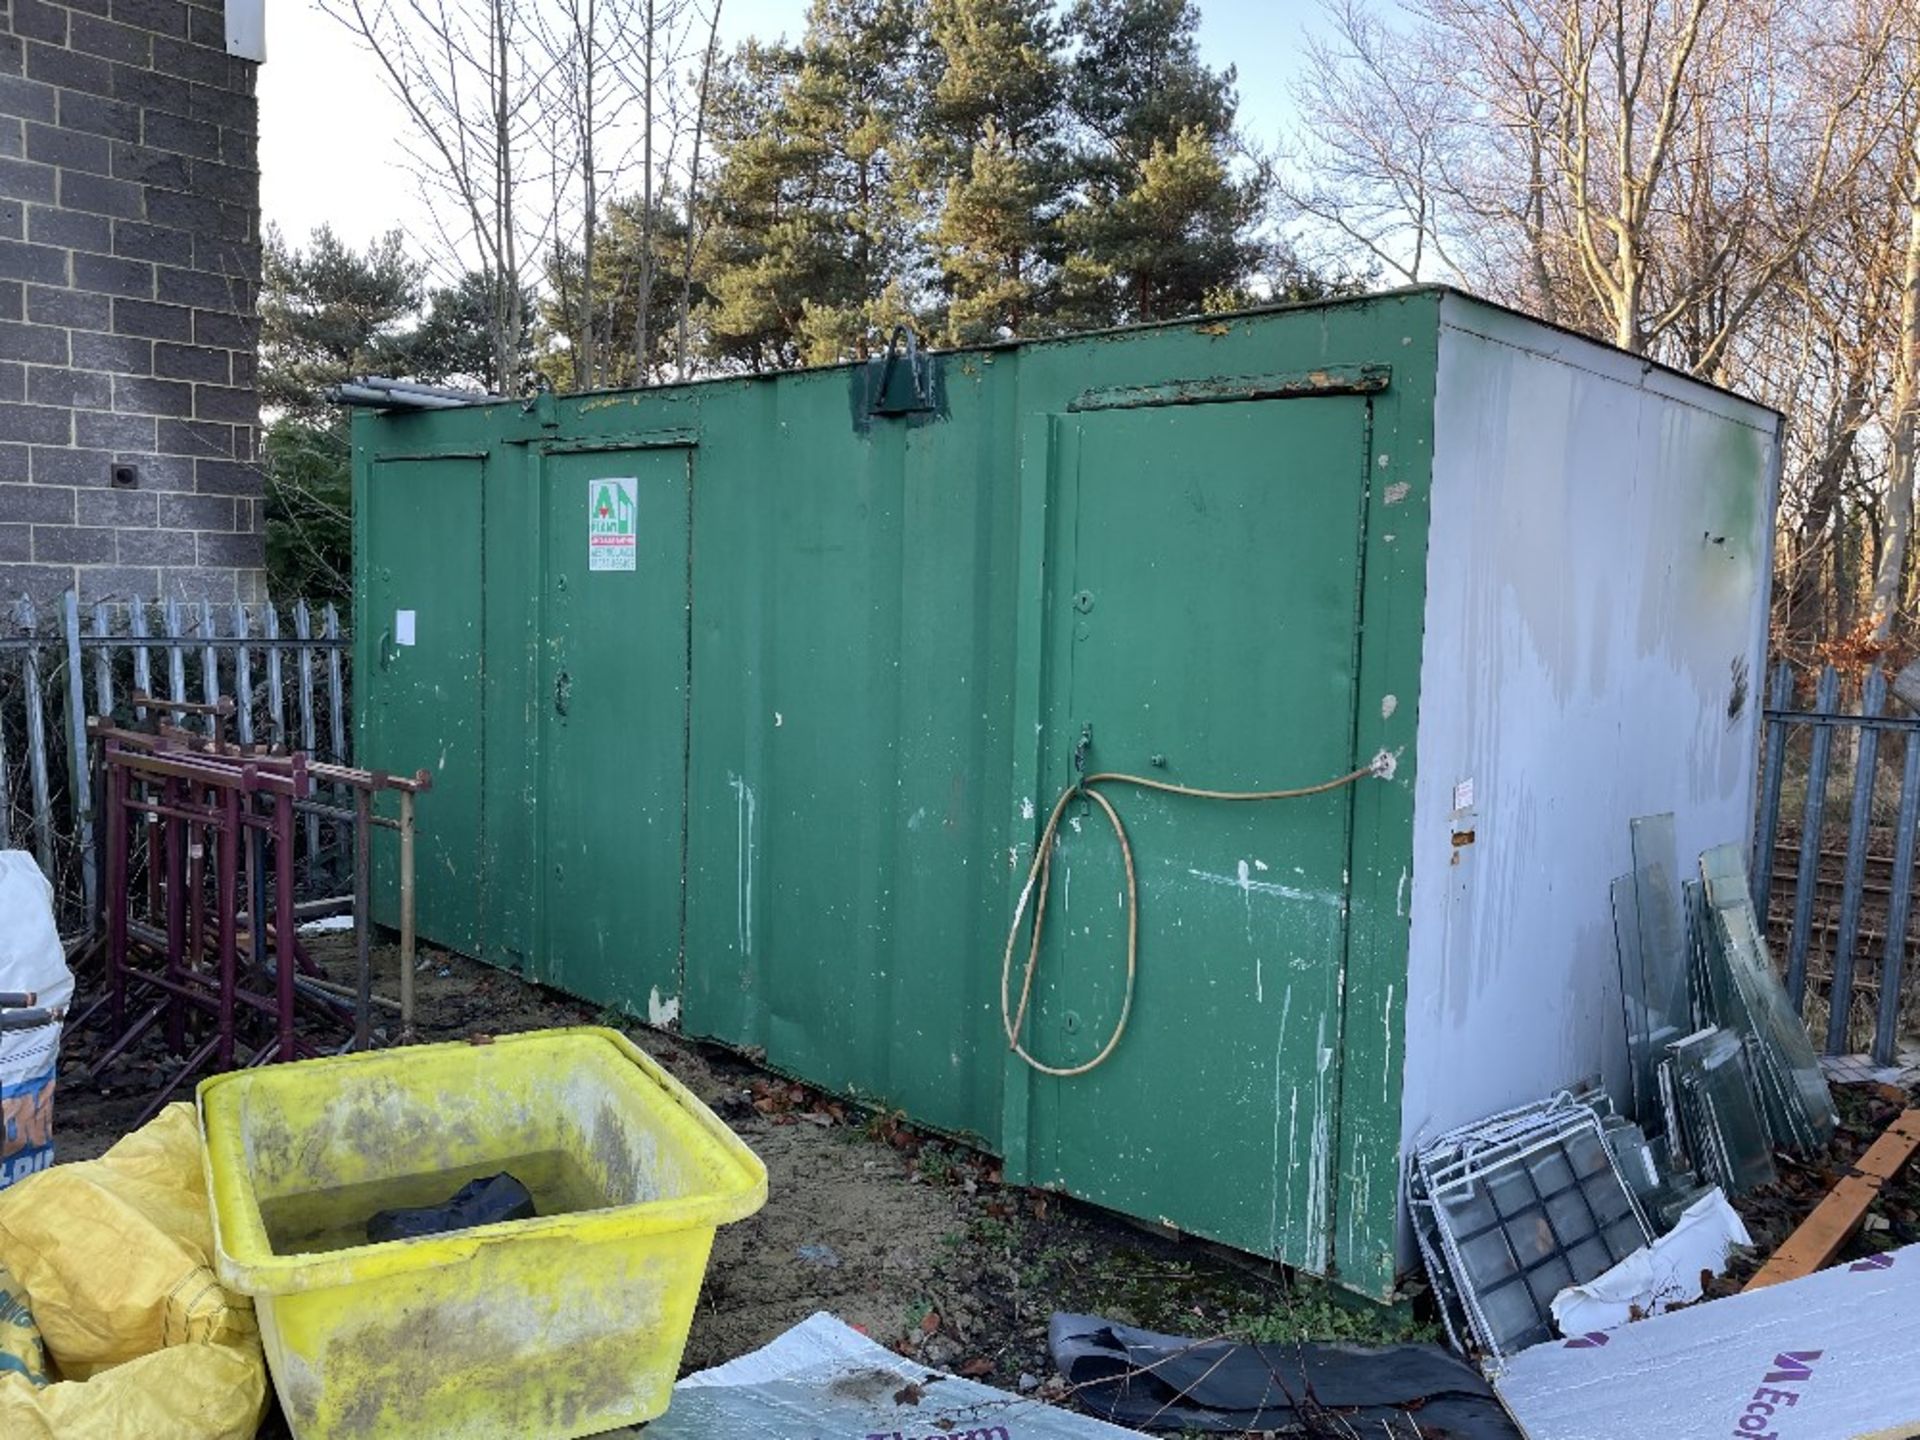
202 814
216 823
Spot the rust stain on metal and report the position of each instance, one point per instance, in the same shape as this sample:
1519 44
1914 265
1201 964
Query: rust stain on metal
607 402
1462 838
1325 380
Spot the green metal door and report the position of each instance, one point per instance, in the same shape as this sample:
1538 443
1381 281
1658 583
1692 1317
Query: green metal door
611 689
421 607
1201 629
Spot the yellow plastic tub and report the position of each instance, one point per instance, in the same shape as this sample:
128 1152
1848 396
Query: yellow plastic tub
566 1324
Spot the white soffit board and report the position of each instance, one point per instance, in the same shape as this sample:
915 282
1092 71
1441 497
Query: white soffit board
247 29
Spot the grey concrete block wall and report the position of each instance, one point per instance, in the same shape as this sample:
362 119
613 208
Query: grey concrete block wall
129 263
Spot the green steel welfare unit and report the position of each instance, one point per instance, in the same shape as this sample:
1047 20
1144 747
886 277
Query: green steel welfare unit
746 699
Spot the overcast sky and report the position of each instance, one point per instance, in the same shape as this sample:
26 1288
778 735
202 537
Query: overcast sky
326 148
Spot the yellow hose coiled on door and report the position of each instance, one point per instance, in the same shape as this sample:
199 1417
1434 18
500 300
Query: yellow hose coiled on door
1014 1020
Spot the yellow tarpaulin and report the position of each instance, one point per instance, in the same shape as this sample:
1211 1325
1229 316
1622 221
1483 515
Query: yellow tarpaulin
115 1260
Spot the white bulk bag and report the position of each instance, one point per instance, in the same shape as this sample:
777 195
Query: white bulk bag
31 960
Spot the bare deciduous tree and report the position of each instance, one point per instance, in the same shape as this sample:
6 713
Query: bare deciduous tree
584 40
693 189
1889 586
606 57
527 116
472 80
1726 185
1648 169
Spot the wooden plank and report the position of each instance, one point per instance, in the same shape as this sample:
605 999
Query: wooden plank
1835 1218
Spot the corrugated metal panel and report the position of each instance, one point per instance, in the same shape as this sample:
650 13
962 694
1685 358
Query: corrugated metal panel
853 592
885 687
610 688
1206 542
1189 541
419 636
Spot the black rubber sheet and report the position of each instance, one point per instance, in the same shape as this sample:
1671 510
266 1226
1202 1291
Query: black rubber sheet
1149 1381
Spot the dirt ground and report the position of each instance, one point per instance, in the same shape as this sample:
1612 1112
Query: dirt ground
908 1237
912 1238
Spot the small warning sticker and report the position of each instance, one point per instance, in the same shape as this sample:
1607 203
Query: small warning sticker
612 535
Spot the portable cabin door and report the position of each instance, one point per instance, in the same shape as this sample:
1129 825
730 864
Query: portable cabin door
422 610
1201 628
610 687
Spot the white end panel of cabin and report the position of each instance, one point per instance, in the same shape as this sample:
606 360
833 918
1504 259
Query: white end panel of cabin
1597 579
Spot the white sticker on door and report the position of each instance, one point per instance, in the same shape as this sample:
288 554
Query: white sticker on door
403 627
613 541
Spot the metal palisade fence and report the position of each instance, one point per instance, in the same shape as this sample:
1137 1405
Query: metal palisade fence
1833 853
285 668
1833 847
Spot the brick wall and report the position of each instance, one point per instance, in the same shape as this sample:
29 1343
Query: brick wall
129 256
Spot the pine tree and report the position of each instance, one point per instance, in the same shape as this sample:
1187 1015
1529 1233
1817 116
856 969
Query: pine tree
328 312
983 167
1163 225
456 340
619 241
1176 241
754 260
810 247
990 142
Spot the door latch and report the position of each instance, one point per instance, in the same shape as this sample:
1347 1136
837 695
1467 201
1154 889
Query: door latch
1081 748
